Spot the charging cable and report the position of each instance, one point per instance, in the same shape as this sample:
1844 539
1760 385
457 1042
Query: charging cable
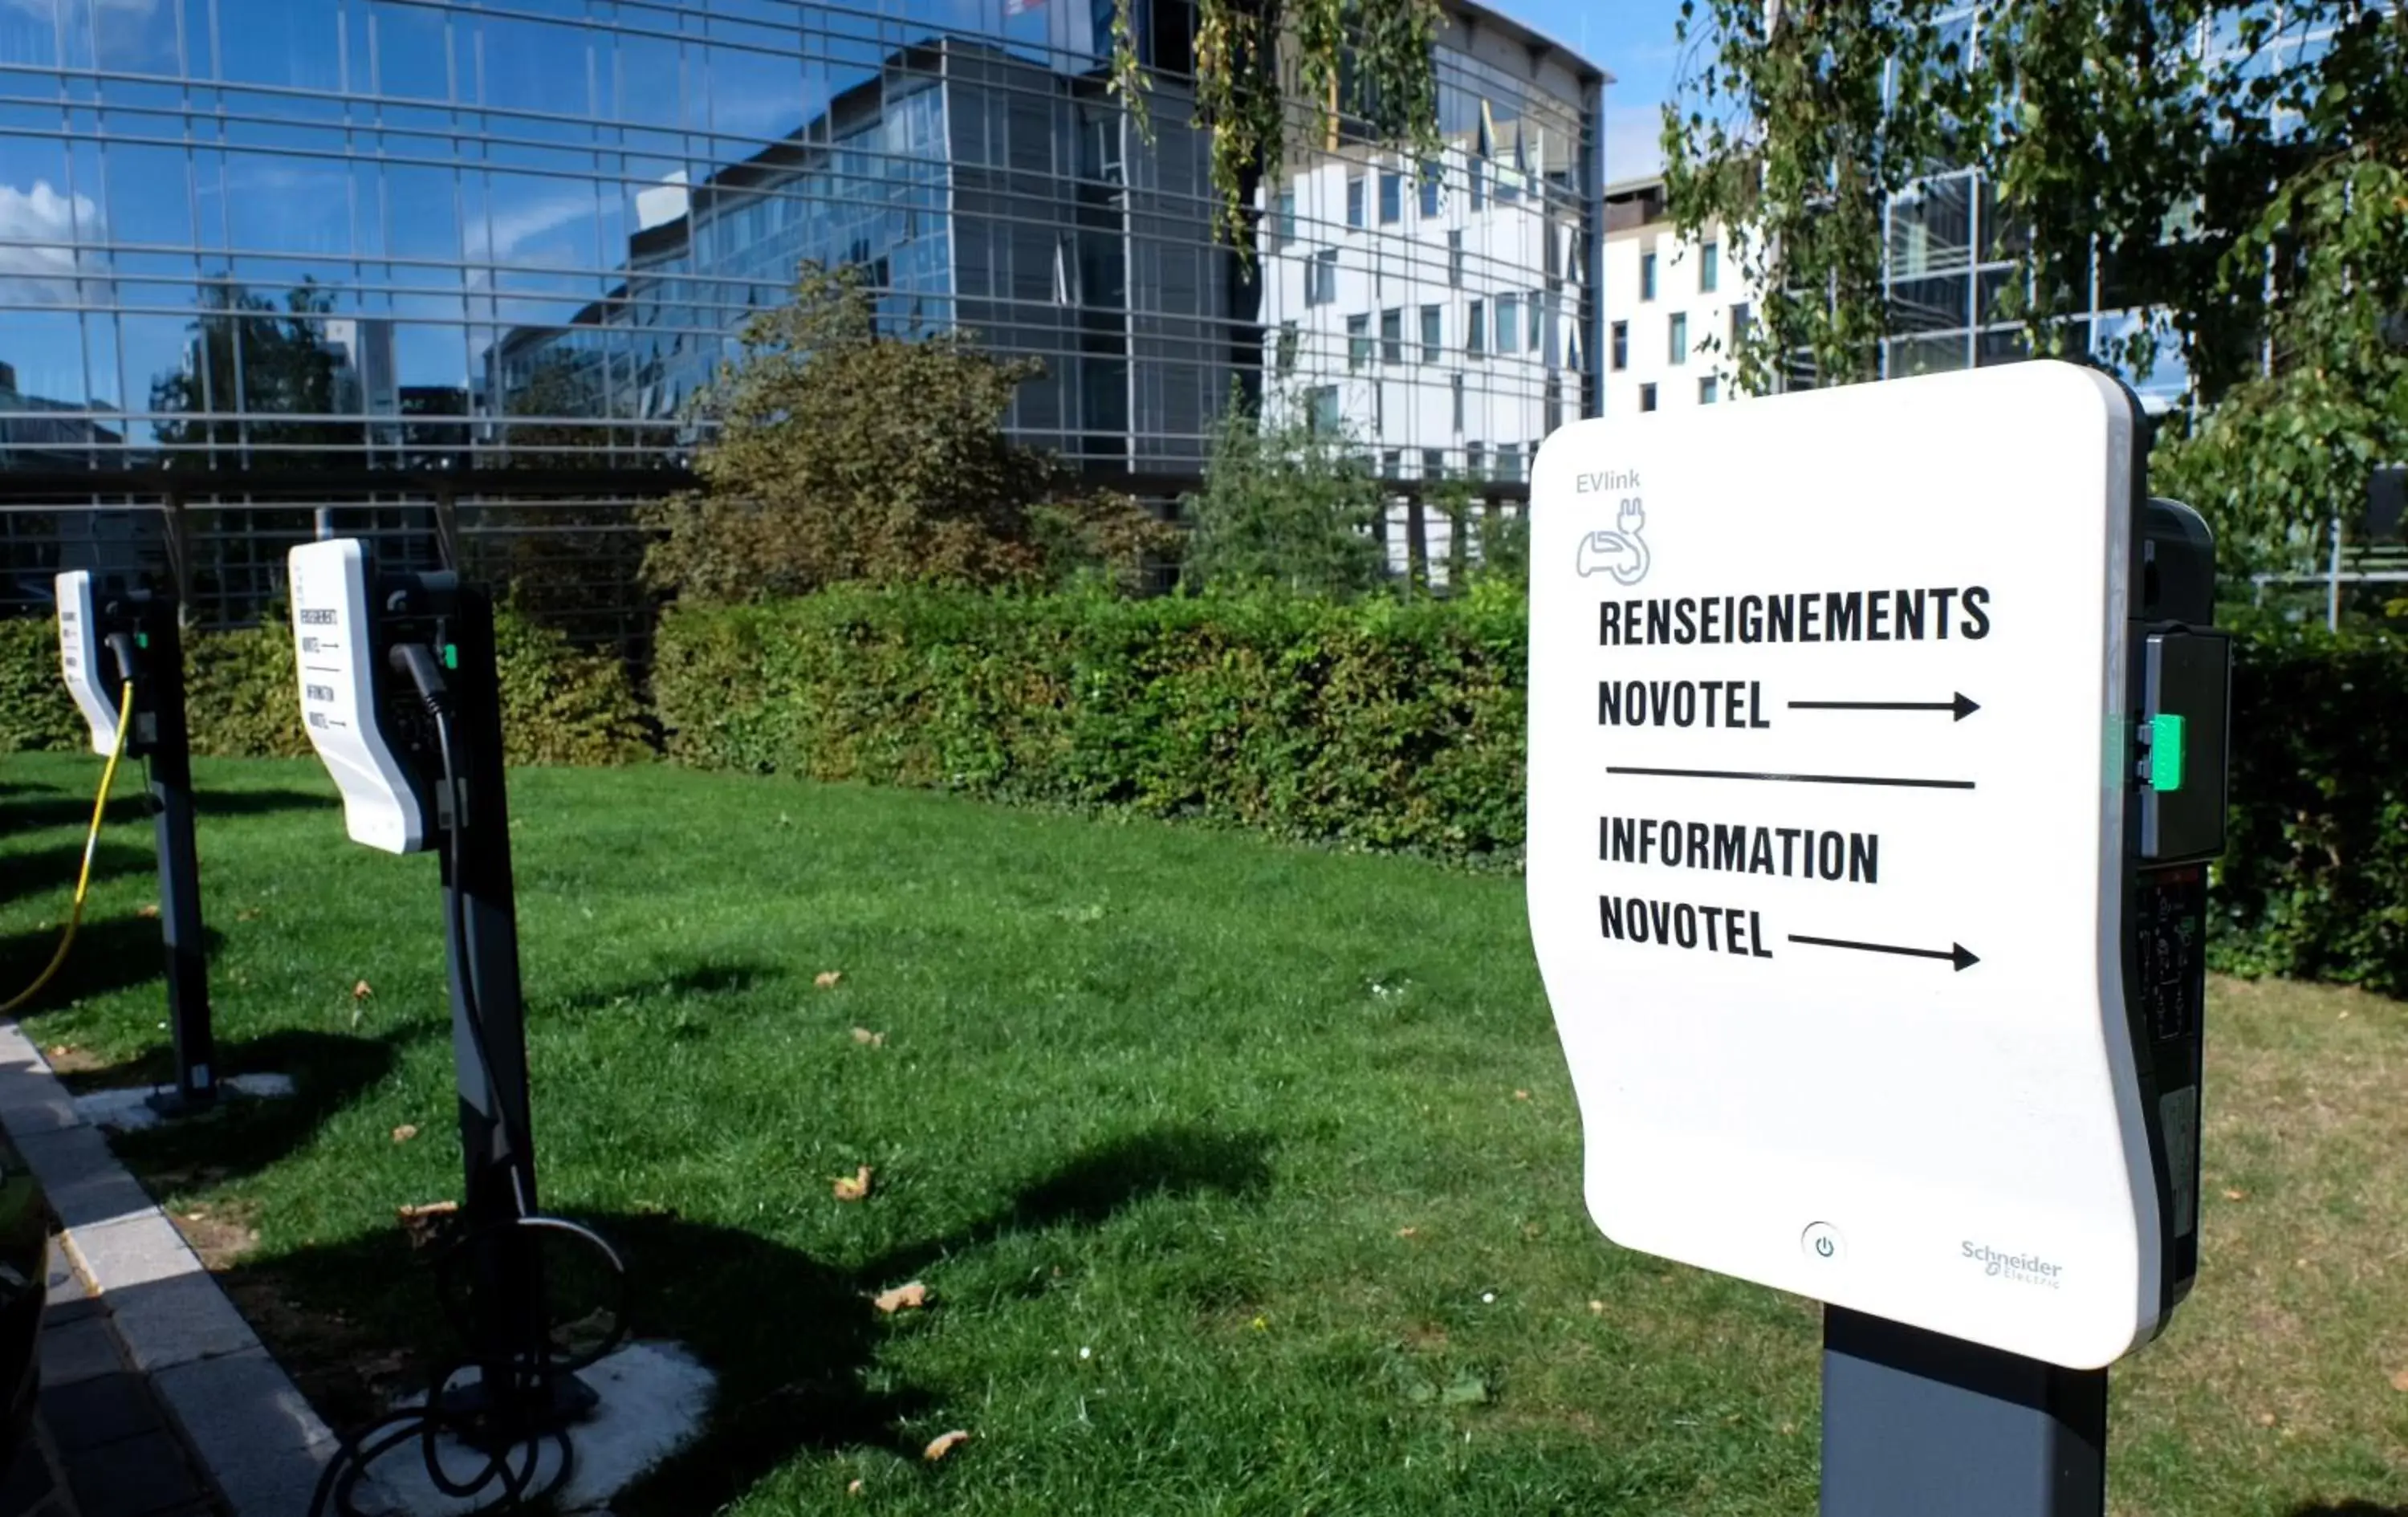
91 846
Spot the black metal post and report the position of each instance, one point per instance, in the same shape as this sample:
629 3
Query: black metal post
1916 1423
508 1318
163 739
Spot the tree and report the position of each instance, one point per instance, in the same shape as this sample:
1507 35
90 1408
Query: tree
1270 70
2246 203
1285 506
842 454
258 378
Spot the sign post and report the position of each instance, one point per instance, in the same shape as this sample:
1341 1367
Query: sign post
1876 752
138 633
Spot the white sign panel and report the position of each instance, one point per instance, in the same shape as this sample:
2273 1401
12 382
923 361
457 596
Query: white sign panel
1826 832
87 667
333 655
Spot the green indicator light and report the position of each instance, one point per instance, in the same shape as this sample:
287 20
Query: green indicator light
142 639
2165 753
451 661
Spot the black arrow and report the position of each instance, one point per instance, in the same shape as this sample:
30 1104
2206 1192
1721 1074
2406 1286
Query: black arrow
1956 954
1964 706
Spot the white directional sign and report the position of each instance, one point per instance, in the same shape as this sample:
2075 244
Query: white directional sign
1825 827
337 689
82 661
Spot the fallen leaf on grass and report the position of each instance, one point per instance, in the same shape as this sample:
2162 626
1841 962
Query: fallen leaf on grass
2400 1382
2265 1419
864 1035
1407 1232
1521 1095
428 1223
1597 1307
248 913
943 1444
901 1298
855 1186
362 990
404 1133
2236 1196
853 1488
149 912
828 979
61 1052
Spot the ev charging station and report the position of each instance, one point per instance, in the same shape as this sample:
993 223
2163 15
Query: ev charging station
109 638
399 695
1876 756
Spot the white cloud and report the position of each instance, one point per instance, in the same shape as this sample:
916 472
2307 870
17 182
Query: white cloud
38 260
1633 145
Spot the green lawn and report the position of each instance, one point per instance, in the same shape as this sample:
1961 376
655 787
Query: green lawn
1243 1178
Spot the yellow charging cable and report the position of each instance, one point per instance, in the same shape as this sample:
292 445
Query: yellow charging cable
91 846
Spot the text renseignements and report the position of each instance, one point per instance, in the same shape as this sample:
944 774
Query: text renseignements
1832 616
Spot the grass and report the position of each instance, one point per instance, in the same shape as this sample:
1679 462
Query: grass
1243 1178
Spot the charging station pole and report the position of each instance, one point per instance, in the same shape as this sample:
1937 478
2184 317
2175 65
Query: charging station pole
159 693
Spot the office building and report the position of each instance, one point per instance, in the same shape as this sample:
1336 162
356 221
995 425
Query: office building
1674 308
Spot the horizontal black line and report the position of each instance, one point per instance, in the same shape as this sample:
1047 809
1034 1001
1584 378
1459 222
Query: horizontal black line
1872 706
1872 947
1795 779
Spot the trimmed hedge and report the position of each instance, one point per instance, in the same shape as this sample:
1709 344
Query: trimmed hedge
1381 725
1373 724
559 706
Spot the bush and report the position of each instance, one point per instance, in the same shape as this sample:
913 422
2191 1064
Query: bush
559 706
2314 883
1386 726
1374 724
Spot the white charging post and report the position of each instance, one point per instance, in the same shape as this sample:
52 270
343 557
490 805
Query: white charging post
1876 749
80 660
333 657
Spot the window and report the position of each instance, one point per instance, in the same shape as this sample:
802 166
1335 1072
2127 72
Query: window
1508 323
1283 225
1392 335
1433 332
1430 191
1475 331
1647 276
1710 267
1475 460
1621 345
1433 462
1676 346
1455 258
1740 317
1479 168
1321 277
1709 390
1286 347
1355 200
1392 197
1391 465
1537 310
1321 404
1457 379
1358 341
1508 461
1646 398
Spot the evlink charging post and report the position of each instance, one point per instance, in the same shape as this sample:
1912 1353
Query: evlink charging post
400 699
1877 755
113 639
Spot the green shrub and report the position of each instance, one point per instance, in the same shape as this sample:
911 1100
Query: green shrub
36 714
559 706
1386 726
1373 724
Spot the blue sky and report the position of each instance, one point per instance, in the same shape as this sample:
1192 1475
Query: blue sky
1630 40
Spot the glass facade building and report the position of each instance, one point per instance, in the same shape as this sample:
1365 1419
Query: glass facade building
244 236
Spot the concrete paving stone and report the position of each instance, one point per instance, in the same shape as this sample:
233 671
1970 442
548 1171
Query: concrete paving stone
132 1251
94 1413
31 1100
30 1483
175 1321
138 1477
65 1282
79 1351
85 1183
73 1310
262 1444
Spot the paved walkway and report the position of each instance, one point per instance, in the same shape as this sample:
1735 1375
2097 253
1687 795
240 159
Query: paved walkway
102 1446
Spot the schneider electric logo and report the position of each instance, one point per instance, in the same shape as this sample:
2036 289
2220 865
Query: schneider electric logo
2023 1269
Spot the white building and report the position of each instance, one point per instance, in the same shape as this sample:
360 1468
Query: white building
1673 307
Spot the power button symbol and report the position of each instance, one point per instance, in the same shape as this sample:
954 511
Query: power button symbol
1822 1243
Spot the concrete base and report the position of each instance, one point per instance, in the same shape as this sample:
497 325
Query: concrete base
654 1399
136 1107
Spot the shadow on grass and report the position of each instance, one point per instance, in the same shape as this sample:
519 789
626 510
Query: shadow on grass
2347 1508
248 1134
55 868
793 1340
117 954
131 804
700 979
